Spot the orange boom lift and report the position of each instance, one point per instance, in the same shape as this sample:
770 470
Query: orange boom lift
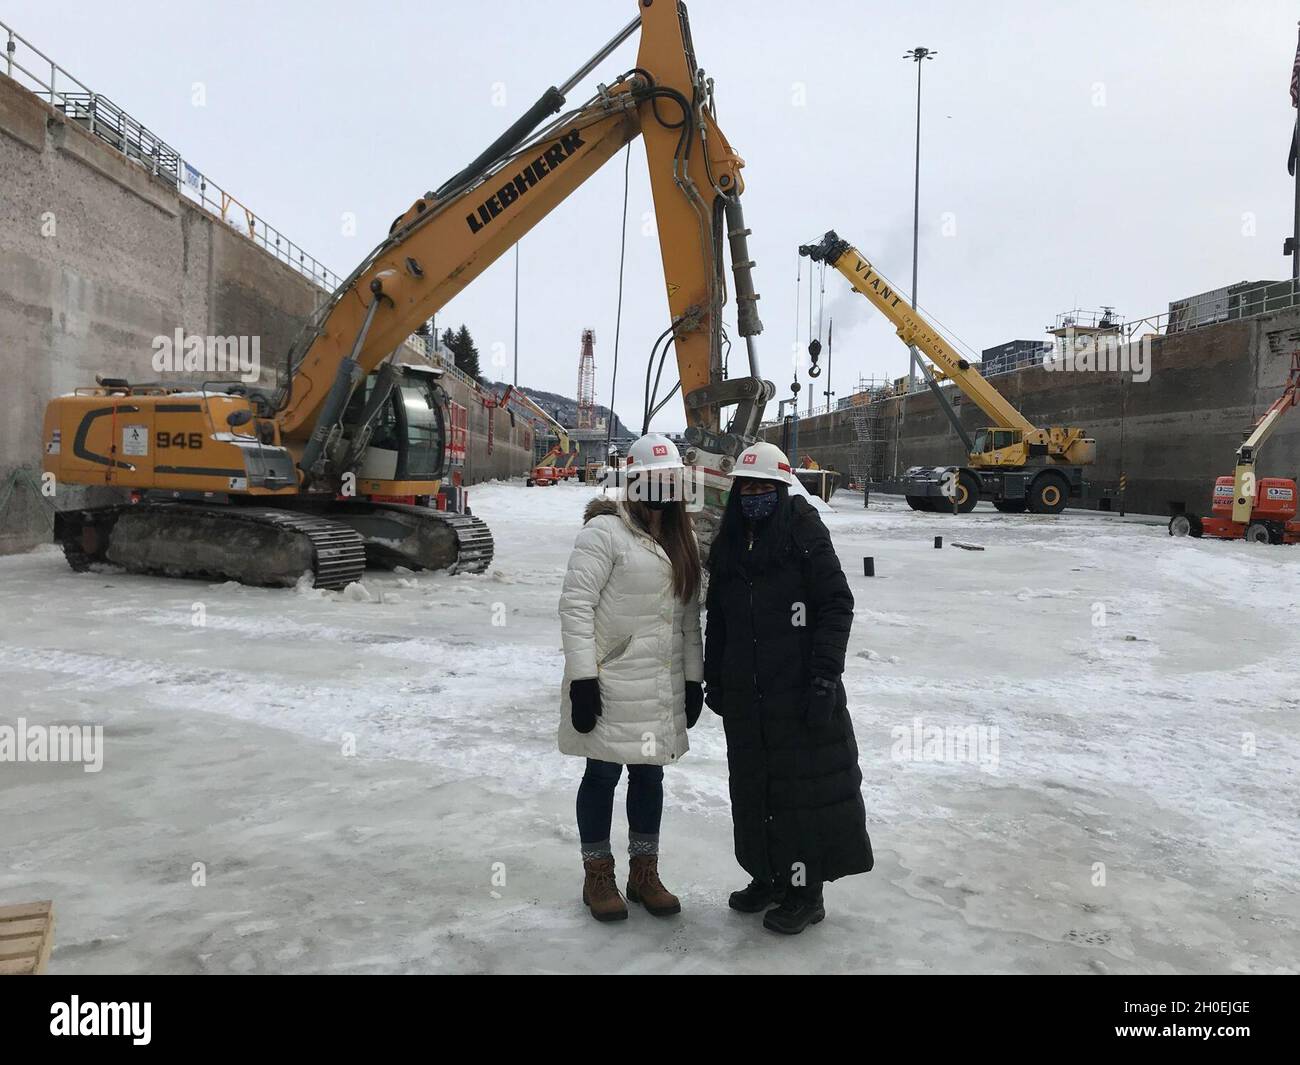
1261 510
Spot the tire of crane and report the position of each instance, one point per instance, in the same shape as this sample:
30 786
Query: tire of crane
968 492
1048 494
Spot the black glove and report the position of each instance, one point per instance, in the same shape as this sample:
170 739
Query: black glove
694 702
584 700
822 697
713 699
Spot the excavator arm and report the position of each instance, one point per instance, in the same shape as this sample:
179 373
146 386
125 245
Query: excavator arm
450 236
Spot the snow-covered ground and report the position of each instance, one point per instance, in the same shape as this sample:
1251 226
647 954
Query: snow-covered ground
309 781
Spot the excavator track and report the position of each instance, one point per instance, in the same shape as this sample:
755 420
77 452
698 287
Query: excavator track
475 541
420 537
252 545
273 545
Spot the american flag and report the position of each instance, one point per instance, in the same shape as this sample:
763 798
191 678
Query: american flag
1295 78
1295 102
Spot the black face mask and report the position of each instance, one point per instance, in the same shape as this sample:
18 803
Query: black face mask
759 507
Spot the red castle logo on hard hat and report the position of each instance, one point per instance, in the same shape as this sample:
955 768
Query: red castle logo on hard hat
748 460
660 449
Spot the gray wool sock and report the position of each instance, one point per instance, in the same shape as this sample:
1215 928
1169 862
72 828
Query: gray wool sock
595 851
639 843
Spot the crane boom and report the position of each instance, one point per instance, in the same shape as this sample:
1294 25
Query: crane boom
1013 463
915 330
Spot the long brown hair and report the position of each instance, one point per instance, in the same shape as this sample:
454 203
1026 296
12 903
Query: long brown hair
677 538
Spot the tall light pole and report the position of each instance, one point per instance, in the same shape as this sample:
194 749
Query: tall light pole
916 55
516 380
1295 170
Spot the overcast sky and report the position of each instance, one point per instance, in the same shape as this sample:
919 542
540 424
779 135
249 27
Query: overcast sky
1072 154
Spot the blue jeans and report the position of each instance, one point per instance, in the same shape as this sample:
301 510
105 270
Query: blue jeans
645 803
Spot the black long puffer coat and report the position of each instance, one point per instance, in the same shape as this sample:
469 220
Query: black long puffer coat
795 789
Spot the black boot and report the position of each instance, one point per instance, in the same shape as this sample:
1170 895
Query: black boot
801 907
755 898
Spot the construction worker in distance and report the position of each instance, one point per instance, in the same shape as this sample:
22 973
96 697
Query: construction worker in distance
633 666
778 615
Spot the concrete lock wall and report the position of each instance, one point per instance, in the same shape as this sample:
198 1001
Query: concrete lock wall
97 258
1172 434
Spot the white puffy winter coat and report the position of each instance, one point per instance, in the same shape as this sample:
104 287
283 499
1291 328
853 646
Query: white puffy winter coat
621 623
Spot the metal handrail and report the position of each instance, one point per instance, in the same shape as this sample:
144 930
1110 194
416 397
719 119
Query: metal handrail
132 139
1253 302
434 352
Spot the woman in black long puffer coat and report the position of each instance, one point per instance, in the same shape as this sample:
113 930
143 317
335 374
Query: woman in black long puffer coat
779 612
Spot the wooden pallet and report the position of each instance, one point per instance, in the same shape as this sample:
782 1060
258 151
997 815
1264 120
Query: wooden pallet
26 935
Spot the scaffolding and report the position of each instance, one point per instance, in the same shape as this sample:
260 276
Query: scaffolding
866 408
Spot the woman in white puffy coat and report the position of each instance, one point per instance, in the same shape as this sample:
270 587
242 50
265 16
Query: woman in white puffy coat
633 666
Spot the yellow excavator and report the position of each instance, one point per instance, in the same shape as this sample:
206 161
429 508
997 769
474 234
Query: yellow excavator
338 464
1013 463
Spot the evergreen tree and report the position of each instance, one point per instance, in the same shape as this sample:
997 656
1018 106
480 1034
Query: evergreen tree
464 351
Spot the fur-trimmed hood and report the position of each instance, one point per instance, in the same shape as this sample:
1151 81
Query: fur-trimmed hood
598 506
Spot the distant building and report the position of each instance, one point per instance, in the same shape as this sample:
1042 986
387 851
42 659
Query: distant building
1242 300
1014 355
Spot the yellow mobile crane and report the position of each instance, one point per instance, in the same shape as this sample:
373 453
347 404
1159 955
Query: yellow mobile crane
263 485
1015 464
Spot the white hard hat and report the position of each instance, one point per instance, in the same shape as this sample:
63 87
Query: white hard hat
763 462
653 451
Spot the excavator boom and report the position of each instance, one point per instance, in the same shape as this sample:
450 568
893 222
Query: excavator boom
449 237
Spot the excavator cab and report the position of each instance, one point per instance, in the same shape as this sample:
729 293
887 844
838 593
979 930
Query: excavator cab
406 454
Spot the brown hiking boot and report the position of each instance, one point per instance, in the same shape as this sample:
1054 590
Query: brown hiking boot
600 891
645 887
